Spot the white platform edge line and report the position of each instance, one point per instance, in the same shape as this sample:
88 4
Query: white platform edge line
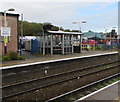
97 91
65 59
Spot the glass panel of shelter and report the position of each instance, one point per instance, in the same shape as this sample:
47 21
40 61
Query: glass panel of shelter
46 41
70 43
76 43
67 44
57 41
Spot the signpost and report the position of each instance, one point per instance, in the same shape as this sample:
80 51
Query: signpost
5 31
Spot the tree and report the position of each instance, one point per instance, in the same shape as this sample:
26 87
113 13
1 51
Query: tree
34 29
61 28
11 9
47 26
55 28
75 30
30 28
67 30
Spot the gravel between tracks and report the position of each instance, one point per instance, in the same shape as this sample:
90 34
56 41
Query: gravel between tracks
46 93
53 68
52 91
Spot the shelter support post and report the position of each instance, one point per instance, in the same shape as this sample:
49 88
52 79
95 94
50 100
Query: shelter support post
63 52
51 44
72 44
80 43
43 43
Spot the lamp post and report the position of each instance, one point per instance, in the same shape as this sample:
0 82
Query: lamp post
5 27
5 37
79 23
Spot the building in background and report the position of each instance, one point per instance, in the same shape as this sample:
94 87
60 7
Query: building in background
90 35
12 22
112 36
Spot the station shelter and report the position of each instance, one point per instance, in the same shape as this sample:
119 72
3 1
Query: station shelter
60 42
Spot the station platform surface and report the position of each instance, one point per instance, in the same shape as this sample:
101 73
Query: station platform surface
30 58
111 93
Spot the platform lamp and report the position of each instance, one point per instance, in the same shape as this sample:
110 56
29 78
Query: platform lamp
5 25
79 23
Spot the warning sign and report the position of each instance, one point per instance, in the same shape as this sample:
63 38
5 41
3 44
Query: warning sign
5 31
5 40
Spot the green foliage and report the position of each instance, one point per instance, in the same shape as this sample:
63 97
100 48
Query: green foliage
13 56
67 30
75 31
6 58
47 26
61 28
98 48
93 48
11 9
21 58
55 28
33 28
0 57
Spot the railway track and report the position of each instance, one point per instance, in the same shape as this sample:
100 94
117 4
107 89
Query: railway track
11 79
78 93
31 85
25 72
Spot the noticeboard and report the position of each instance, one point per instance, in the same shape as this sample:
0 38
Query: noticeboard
5 31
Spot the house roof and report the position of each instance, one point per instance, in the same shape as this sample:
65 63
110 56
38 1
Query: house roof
93 34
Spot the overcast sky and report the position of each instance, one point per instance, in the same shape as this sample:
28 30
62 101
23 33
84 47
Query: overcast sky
99 15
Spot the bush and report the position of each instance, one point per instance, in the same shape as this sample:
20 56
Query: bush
13 56
98 48
6 58
21 58
0 57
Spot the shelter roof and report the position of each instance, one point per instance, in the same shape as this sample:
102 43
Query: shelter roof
62 32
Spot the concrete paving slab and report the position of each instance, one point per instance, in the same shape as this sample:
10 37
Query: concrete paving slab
110 93
30 58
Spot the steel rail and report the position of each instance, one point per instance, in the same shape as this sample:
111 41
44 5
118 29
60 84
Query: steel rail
32 89
83 87
42 78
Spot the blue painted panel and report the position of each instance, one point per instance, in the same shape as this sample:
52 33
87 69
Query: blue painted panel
34 47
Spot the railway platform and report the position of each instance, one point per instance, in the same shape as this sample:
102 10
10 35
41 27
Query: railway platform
39 58
109 93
